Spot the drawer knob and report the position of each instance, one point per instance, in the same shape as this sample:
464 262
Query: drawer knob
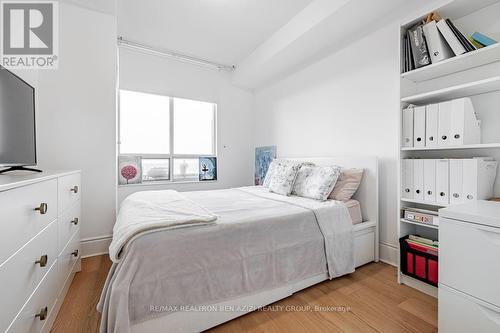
74 189
42 261
42 209
429 192
418 191
42 315
470 197
75 253
75 221
444 137
407 190
419 139
457 136
442 194
456 195
431 138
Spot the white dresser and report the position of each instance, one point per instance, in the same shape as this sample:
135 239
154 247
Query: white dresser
39 247
469 268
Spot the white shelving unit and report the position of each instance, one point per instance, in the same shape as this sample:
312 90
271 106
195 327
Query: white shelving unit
458 91
475 146
463 62
474 74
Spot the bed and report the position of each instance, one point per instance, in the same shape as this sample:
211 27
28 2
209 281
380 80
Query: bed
263 248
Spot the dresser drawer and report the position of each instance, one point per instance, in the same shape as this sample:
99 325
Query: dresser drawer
45 296
69 191
19 220
468 254
460 313
68 257
68 224
20 275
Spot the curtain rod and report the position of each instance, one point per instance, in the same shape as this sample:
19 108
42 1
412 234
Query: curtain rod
174 55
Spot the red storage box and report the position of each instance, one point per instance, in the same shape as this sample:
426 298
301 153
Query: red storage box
419 262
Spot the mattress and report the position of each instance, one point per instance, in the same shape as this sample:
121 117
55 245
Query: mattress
261 241
354 208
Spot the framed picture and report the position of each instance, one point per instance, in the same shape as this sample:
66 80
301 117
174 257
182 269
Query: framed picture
129 170
263 157
207 168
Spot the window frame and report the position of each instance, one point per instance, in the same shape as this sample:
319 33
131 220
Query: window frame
171 156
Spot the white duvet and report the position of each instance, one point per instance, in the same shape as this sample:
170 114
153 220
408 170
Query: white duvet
150 211
259 242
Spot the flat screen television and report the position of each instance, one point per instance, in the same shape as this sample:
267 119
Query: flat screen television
17 122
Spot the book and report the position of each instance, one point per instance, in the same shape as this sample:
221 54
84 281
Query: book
450 38
419 49
411 64
438 47
482 39
422 248
423 240
461 37
475 43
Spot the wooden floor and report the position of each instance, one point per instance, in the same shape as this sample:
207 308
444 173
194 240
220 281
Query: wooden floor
371 298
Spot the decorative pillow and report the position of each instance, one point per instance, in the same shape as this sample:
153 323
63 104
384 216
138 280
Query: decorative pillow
347 184
284 178
273 168
270 173
316 182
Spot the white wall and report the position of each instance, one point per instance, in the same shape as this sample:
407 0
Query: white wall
343 104
76 112
235 119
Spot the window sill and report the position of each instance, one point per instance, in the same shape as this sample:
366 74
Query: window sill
168 182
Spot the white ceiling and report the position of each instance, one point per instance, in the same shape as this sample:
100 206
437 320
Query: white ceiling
224 31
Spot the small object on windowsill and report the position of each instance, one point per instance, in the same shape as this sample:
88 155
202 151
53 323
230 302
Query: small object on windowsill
495 199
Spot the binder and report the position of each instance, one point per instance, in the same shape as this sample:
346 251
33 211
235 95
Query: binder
478 178
431 125
419 126
407 179
418 46
450 37
461 37
408 127
456 181
442 181
418 179
465 128
444 123
438 47
430 180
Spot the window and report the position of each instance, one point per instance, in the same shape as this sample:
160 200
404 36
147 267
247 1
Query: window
169 134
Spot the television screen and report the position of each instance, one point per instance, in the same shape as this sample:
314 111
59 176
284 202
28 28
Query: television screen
17 121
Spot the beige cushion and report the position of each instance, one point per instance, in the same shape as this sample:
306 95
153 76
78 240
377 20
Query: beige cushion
347 184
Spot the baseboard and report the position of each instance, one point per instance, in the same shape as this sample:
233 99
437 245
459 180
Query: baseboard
389 253
95 246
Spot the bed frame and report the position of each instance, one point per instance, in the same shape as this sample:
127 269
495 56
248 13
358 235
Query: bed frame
366 238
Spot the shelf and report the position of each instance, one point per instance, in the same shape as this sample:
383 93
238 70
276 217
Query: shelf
473 146
432 226
462 90
435 204
455 64
419 285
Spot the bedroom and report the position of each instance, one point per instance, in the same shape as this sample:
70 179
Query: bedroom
157 126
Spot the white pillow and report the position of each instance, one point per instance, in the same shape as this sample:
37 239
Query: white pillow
284 178
273 168
316 182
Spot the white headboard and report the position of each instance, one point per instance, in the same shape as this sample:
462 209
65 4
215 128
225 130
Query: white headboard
367 193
